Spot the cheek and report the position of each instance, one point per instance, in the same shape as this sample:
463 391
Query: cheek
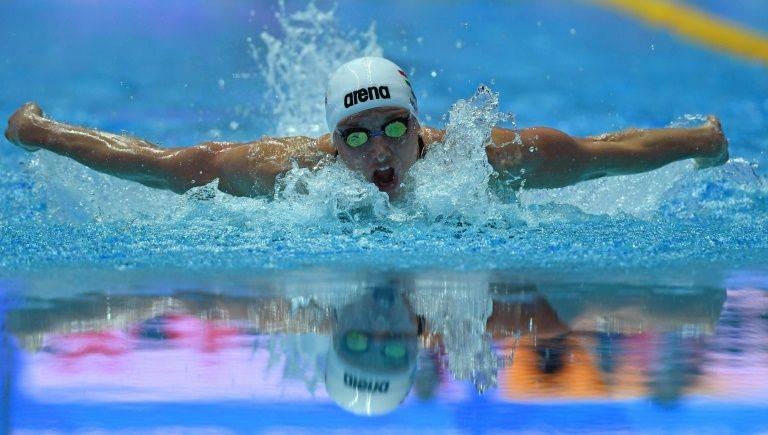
353 159
408 151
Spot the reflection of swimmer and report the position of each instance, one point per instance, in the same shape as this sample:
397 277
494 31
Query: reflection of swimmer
593 343
372 361
554 341
372 114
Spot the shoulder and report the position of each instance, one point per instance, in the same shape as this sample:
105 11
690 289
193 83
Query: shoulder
275 149
252 167
431 135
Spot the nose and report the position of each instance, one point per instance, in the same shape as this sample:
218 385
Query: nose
380 152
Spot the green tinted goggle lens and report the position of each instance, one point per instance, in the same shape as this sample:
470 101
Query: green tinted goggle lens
356 341
395 350
357 138
394 129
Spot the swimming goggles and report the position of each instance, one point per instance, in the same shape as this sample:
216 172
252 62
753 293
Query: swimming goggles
360 342
358 136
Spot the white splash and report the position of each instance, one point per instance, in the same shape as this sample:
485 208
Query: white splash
451 181
296 66
458 310
333 192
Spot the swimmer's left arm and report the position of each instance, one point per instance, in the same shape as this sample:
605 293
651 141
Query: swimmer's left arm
542 157
537 157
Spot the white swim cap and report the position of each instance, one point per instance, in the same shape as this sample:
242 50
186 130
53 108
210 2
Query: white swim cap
371 363
366 392
366 83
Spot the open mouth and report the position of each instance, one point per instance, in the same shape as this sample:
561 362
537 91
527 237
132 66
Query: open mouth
384 178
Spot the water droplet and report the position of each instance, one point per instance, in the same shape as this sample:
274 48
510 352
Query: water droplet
572 31
433 73
233 125
459 43
532 149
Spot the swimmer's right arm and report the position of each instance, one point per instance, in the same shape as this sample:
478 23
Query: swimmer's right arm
244 169
125 157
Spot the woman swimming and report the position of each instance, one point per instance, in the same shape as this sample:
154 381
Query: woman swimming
371 112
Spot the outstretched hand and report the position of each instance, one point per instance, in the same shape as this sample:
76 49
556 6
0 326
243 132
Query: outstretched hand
719 152
23 118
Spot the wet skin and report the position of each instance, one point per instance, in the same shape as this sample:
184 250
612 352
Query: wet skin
251 168
382 160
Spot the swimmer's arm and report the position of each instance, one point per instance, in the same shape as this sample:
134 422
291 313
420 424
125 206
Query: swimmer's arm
252 169
537 158
556 160
547 158
122 156
237 166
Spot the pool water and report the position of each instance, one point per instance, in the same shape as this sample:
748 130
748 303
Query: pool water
204 80
657 281
149 352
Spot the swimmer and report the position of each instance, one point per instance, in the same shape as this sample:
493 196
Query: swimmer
372 116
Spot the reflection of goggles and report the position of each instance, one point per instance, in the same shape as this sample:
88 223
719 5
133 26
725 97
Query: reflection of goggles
356 137
359 342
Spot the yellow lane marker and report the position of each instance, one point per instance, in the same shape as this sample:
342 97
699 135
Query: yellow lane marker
696 25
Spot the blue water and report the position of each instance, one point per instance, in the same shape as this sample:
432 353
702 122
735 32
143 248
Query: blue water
181 72
160 351
548 62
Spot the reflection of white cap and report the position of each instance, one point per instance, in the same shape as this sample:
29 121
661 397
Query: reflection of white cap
367 83
366 392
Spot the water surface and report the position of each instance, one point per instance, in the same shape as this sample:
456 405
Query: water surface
495 352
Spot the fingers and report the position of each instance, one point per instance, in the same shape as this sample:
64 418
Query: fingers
714 121
12 130
19 121
31 108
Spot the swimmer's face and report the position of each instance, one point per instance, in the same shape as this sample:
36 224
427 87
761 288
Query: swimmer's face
382 160
377 332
